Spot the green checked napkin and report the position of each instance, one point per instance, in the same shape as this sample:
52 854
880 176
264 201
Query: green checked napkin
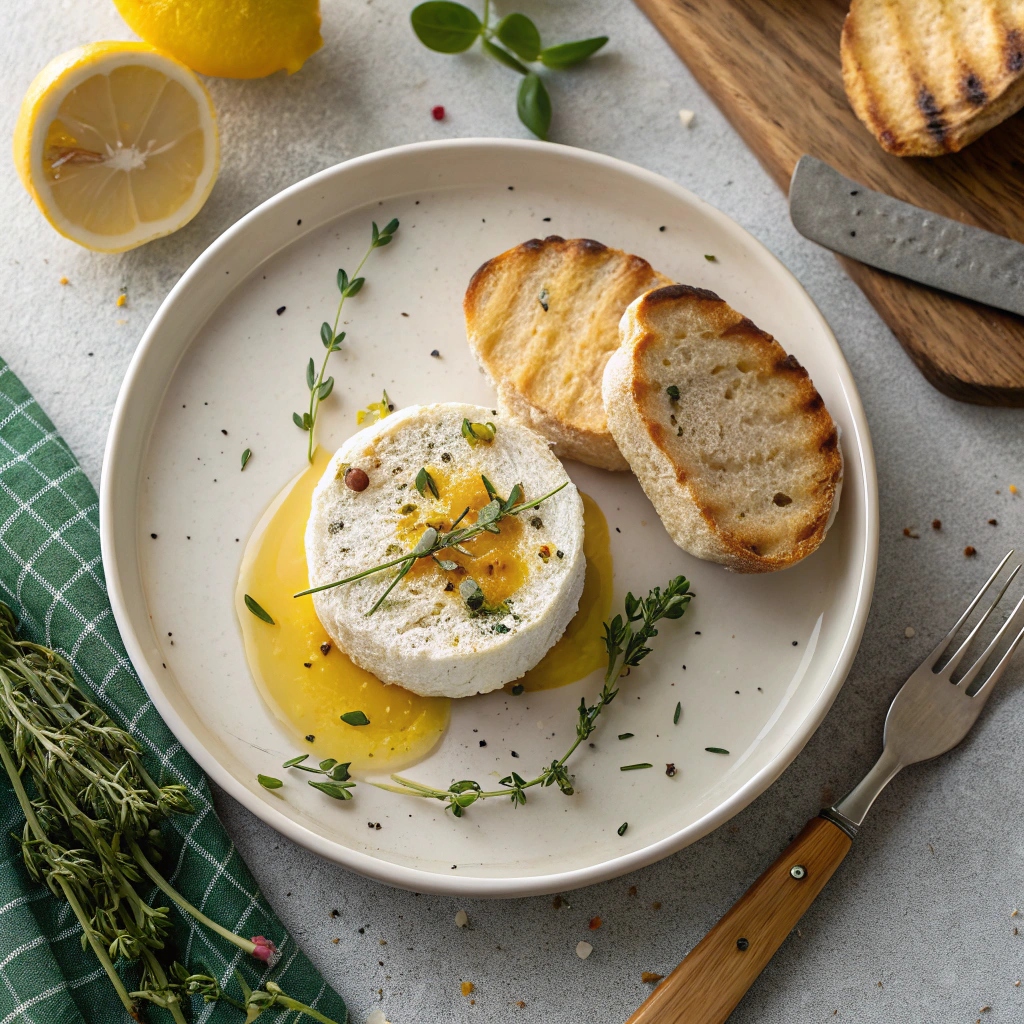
52 577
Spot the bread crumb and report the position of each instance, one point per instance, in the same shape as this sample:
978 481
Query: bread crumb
595 923
462 919
655 906
1016 984
335 941
1014 912
521 1004
936 525
63 280
1013 488
984 1009
649 977
122 299
686 117
908 532
557 902
376 1016
970 551
584 949
909 632
993 522
468 988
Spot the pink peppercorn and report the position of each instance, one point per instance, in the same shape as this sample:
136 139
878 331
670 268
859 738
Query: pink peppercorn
438 113
356 479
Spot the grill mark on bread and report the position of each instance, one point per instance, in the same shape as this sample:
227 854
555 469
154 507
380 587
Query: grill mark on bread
673 292
974 90
1014 49
934 121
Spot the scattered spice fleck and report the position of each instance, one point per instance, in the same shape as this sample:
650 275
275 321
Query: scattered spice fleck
462 919
656 905
595 923
309 739
325 648
650 978
281 309
557 902
710 258
632 890
670 770
970 551
516 691
909 632
908 532
153 535
936 524
468 988
993 522
437 113
584 949
483 743
521 1004
435 354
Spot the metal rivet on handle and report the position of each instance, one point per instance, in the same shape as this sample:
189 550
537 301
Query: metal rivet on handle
798 871
742 945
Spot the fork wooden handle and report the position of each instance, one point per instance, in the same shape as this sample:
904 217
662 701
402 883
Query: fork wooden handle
707 986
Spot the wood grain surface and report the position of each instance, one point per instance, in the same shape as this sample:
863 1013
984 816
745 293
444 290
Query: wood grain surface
773 68
707 986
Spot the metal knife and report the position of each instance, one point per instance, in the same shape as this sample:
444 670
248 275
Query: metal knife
883 232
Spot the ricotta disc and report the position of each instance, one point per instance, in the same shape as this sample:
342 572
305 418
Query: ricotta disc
425 636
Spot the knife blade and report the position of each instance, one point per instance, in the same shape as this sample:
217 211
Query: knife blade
886 233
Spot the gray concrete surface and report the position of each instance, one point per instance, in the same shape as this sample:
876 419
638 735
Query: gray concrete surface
917 924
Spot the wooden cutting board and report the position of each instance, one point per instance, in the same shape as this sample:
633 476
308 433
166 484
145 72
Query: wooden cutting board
773 68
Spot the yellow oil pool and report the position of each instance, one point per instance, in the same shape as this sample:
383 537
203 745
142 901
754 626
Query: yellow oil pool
310 684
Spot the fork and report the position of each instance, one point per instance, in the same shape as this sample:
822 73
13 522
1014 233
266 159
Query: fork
928 716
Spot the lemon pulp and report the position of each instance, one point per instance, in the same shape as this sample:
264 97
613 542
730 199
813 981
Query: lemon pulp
307 689
310 690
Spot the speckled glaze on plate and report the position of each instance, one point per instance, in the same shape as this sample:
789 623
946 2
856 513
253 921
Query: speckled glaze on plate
756 661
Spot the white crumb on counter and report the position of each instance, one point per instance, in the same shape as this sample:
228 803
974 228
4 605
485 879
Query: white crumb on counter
686 116
584 949
462 919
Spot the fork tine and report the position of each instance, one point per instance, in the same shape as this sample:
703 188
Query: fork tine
985 690
971 674
950 667
933 658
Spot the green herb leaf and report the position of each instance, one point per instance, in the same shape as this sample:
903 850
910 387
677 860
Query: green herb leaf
678 714
445 27
710 258
292 762
470 592
475 433
355 718
673 392
299 421
622 828
355 286
310 374
259 612
269 782
716 750
327 764
326 331
246 456
534 105
520 35
339 791
635 767
339 773
446 564
625 735
489 513
426 542
503 57
492 492
425 482
391 227
565 55
325 388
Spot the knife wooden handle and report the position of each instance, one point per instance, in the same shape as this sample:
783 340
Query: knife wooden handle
707 986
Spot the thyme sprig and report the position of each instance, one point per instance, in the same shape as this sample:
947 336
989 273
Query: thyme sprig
456 537
319 385
91 833
625 640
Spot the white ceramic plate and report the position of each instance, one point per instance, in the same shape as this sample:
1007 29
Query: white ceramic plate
218 358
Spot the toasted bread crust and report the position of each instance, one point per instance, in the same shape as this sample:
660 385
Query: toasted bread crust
682 486
929 77
546 364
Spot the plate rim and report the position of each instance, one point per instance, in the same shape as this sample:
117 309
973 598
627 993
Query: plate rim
418 879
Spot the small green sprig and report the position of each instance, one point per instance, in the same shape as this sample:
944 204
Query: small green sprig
320 386
448 27
433 540
336 782
625 640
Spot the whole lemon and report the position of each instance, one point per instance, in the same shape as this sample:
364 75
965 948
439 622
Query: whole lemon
229 38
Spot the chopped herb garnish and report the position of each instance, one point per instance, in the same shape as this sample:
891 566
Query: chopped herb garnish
425 482
716 750
339 791
257 610
269 782
678 713
625 735
246 456
635 767
475 433
673 392
355 718
543 299
710 258
622 828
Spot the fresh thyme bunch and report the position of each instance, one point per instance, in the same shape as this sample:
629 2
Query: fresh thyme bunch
91 834
625 640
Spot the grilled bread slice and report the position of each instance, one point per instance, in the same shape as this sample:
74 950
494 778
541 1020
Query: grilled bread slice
725 432
430 635
542 319
928 77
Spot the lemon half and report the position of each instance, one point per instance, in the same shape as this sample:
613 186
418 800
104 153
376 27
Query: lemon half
117 144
